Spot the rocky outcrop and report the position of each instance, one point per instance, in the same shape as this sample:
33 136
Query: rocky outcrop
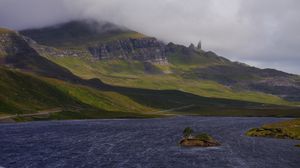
45 50
194 142
15 50
10 44
147 50
144 49
200 140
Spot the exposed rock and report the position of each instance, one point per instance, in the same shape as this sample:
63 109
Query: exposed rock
12 44
100 40
194 142
144 49
192 46
199 46
151 69
60 52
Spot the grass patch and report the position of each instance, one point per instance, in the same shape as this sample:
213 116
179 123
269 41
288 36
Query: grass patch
4 30
21 93
285 129
106 100
203 137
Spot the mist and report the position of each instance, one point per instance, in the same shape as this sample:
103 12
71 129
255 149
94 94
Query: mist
263 33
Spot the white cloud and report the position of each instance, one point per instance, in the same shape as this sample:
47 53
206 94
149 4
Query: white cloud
261 31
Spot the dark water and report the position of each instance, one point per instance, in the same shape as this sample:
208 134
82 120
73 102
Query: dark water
142 143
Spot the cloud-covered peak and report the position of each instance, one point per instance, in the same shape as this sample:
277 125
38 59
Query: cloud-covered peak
259 32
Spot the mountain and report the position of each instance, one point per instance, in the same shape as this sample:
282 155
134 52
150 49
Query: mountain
123 57
31 83
151 78
101 40
17 53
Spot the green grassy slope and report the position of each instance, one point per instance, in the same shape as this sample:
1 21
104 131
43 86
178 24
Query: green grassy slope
25 94
108 100
22 93
132 74
203 65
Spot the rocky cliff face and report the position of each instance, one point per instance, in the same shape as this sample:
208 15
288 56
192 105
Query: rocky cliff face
144 49
51 51
102 41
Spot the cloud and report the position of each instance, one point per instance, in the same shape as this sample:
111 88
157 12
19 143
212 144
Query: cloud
259 32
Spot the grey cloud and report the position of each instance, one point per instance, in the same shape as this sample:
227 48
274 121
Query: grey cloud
260 32
20 14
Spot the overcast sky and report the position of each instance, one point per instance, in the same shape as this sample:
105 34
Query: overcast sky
264 33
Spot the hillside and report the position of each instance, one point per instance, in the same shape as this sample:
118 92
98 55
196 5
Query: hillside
145 62
37 78
16 53
28 94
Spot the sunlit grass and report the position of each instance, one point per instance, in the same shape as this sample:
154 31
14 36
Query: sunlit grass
131 74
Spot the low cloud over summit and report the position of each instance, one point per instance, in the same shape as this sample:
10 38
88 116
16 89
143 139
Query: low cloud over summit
264 33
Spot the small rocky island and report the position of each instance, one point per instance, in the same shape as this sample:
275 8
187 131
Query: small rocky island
199 140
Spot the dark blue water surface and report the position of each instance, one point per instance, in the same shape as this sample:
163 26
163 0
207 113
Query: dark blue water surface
142 143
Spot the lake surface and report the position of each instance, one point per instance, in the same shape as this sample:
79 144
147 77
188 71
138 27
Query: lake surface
142 144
